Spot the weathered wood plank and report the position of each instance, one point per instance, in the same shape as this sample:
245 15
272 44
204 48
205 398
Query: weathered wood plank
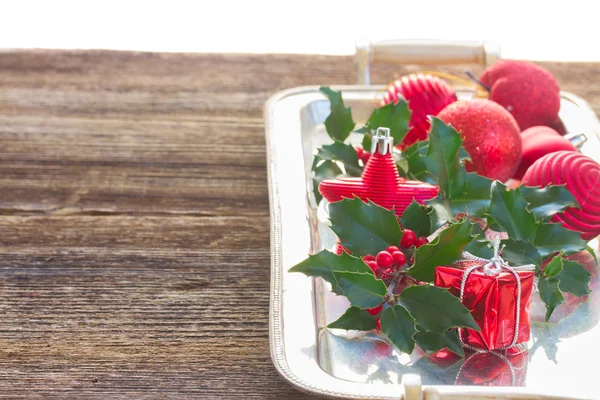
74 165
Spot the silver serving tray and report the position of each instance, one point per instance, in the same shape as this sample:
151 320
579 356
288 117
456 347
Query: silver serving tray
355 365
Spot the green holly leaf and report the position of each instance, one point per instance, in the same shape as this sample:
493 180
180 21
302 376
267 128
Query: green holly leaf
443 159
342 152
433 341
464 155
364 228
520 252
401 164
355 318
415 157
441 211
551 238
339 123
480 247
367 141
554 266
547 201
550 294
574 278
399 327
363 290
394 116
508 209
323 171
444 250
591 252
325 262
474 197
478 230
416 218
435 309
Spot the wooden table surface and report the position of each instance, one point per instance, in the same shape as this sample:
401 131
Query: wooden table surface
134 219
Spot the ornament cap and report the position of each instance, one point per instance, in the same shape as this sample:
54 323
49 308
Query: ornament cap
382 141
578 140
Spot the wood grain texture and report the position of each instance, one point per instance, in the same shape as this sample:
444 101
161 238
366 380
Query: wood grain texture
134 226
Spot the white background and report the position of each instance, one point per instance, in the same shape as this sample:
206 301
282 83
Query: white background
537 30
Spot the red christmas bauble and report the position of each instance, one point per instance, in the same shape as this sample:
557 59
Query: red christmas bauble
581 175
491 136
529 92
537 142
426 95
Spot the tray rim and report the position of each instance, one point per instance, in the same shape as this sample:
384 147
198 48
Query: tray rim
276 340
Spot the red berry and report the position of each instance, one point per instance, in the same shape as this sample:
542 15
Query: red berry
368 257
421 241
375 310
373 265
392 249
384 259
378 324
399 258
408 239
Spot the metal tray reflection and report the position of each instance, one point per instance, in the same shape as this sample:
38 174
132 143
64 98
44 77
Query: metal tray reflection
557 363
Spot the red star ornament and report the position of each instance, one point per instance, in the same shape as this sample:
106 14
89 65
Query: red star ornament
380 181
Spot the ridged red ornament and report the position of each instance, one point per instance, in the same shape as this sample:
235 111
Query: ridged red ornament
581 175
380 183
537 142
426 95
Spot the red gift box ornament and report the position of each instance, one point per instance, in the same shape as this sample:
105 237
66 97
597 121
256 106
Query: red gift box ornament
380 181
498 296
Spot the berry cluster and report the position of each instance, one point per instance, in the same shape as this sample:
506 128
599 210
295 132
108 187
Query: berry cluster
362 154
393 260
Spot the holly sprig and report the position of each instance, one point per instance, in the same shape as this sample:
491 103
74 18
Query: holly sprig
421 314
468 205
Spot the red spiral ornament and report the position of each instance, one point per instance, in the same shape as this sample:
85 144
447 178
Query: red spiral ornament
581 175
426 95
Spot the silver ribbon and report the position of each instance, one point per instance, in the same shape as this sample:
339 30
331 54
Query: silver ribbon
493 267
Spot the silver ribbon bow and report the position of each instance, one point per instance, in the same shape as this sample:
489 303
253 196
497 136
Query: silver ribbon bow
493 267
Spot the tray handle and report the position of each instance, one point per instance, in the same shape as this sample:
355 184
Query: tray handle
437 52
